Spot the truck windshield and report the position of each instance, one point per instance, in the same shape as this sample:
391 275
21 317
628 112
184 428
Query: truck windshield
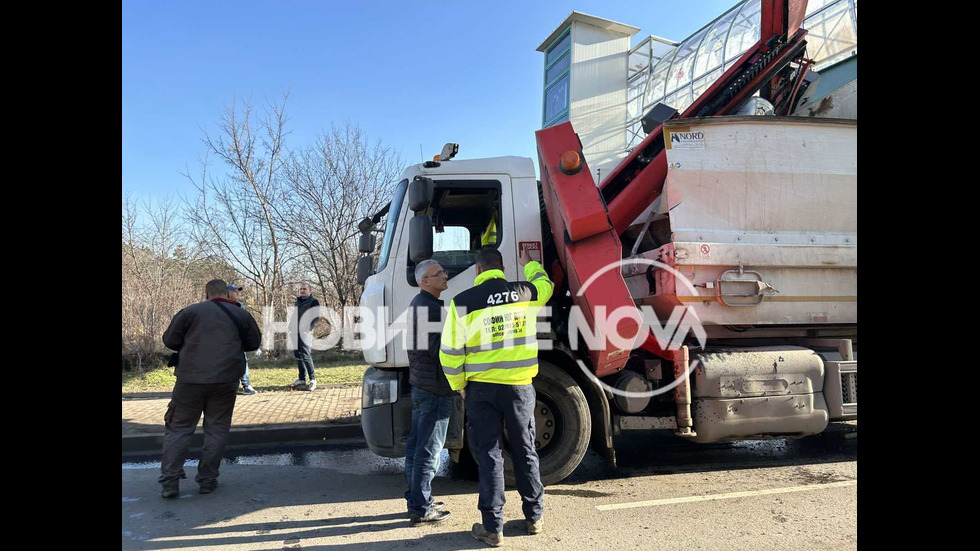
392 223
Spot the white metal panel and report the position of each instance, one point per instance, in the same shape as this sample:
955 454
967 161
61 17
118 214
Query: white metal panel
597 94
516 167
527 221
768 255
598 22
785 178
771 195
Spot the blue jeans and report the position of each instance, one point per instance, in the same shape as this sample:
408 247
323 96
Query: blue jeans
245 381
430 421
304 360
489 408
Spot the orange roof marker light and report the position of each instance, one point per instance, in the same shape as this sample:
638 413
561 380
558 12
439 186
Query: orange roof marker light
571 162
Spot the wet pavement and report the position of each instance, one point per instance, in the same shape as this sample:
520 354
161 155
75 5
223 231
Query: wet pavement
637 454
350 459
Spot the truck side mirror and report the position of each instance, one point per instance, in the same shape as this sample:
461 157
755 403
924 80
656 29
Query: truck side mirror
366 242
420 193
365 266
420 238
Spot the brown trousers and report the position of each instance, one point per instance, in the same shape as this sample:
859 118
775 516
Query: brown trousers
188 401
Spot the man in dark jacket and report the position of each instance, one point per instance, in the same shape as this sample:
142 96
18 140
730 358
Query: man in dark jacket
211 338
432 398
304 357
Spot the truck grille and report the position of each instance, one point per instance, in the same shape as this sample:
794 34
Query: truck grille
849 387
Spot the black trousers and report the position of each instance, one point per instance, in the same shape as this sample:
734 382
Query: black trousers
187 403
489 408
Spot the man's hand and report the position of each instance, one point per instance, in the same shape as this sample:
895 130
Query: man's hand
462 393
524 258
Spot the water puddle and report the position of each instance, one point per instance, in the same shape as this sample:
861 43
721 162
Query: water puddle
352 461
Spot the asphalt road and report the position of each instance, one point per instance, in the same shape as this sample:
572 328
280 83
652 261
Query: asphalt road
666 494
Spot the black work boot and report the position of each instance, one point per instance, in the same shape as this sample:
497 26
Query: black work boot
171 489
208 487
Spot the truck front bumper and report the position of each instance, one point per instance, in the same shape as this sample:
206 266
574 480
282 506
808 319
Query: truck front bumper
386 426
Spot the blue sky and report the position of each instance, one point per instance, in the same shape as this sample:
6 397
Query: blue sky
407 73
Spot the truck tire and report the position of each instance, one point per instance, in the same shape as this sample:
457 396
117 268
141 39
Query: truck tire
562 445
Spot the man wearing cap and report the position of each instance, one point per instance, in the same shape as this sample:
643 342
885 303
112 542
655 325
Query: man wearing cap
211 338
234 292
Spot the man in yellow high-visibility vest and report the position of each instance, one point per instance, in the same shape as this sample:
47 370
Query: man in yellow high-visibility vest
489 354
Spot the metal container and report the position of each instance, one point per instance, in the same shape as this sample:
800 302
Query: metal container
763 222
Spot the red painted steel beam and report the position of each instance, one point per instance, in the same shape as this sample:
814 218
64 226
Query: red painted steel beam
582 258
581 209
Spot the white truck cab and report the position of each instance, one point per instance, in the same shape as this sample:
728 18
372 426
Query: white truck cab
467 196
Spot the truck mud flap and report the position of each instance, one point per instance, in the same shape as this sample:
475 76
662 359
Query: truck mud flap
455 435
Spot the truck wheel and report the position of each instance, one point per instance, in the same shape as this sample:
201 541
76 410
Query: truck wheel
562 423
466 468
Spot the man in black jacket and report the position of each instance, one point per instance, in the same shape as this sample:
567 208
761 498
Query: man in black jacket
432 398
211 338
303 354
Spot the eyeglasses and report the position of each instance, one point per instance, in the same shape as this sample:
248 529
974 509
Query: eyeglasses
437 274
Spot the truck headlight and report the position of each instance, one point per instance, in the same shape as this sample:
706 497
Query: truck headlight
377 392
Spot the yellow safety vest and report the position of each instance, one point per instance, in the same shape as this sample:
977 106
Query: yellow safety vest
490 333
489 236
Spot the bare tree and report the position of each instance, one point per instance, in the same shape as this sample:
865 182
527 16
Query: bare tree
158 274
333 185
233 215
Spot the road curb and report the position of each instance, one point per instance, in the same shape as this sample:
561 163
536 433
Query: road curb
143 443
156 395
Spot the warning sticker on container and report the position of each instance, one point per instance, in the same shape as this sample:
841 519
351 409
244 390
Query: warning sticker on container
684 138
533 249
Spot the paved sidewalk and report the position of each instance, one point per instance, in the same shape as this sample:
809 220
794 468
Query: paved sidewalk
328 411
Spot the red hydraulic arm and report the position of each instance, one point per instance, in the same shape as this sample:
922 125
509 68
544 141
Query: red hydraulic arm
586 246
587 221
